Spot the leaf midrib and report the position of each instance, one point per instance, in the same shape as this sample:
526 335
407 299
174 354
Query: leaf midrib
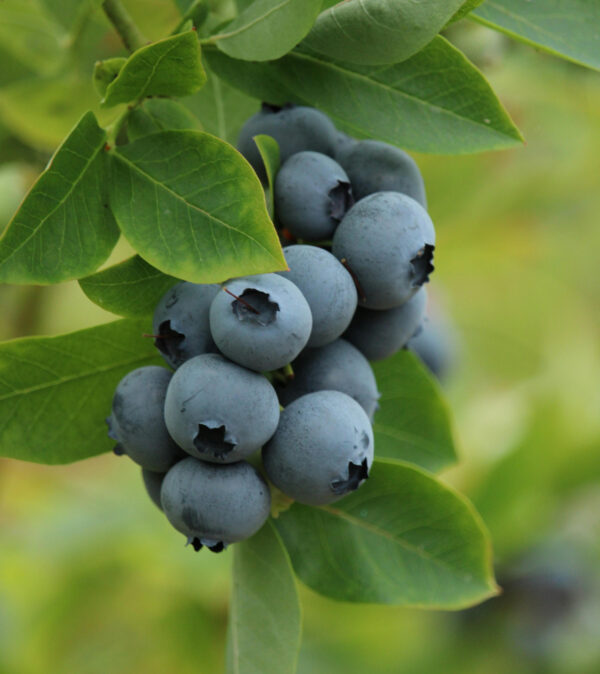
58 205
225 36
367 526
399 92
191 206
16 393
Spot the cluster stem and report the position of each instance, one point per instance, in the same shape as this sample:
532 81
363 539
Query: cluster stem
124 25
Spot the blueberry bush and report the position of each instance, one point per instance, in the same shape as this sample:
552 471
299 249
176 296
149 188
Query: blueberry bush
174 153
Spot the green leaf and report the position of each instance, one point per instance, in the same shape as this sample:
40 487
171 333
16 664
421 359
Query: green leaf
412 423
467 7
55 392
375 32
269 151
402 538
193 207
222 109
169 67
265 620
437 101
64 228
267 29
566 28
131 288
159 114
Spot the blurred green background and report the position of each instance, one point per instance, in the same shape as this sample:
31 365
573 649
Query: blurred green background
93 579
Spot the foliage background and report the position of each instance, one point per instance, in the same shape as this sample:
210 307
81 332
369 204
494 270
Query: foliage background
92 579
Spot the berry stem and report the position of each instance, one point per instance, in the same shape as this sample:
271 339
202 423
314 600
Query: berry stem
129 33
239 299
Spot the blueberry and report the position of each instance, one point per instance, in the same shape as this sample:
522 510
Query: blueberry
295 128
374 166
153 483
379 334
387 241
327 287
338 366
342 143
181 322
322 449
218 411
215 505
137 423
312 194
261 322
436 347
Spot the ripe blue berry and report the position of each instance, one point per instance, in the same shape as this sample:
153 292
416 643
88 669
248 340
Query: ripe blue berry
322 449
387 240
337 366
262 322
379 334
295 128
180 322
218 411
374 166
137 422
327 287
312 194
215 505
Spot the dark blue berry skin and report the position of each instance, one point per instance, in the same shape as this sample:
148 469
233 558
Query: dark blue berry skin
137 422
312 194
262 322
327 287
322 449
379 334
181 323
374 166
338 366
218 411
387 241
295 128
153 483
215 504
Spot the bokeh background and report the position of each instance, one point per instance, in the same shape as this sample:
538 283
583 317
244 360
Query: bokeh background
93 580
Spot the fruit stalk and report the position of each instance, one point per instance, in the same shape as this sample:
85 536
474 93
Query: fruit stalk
124 25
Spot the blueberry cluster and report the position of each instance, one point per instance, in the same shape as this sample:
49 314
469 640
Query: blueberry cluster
281 361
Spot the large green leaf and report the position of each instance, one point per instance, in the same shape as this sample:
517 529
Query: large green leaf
131 288
412 423
169 67
437 101
64 228
221 108
267 29
402 538
567 28
159 114
55 392
193 207
263 635
375 32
